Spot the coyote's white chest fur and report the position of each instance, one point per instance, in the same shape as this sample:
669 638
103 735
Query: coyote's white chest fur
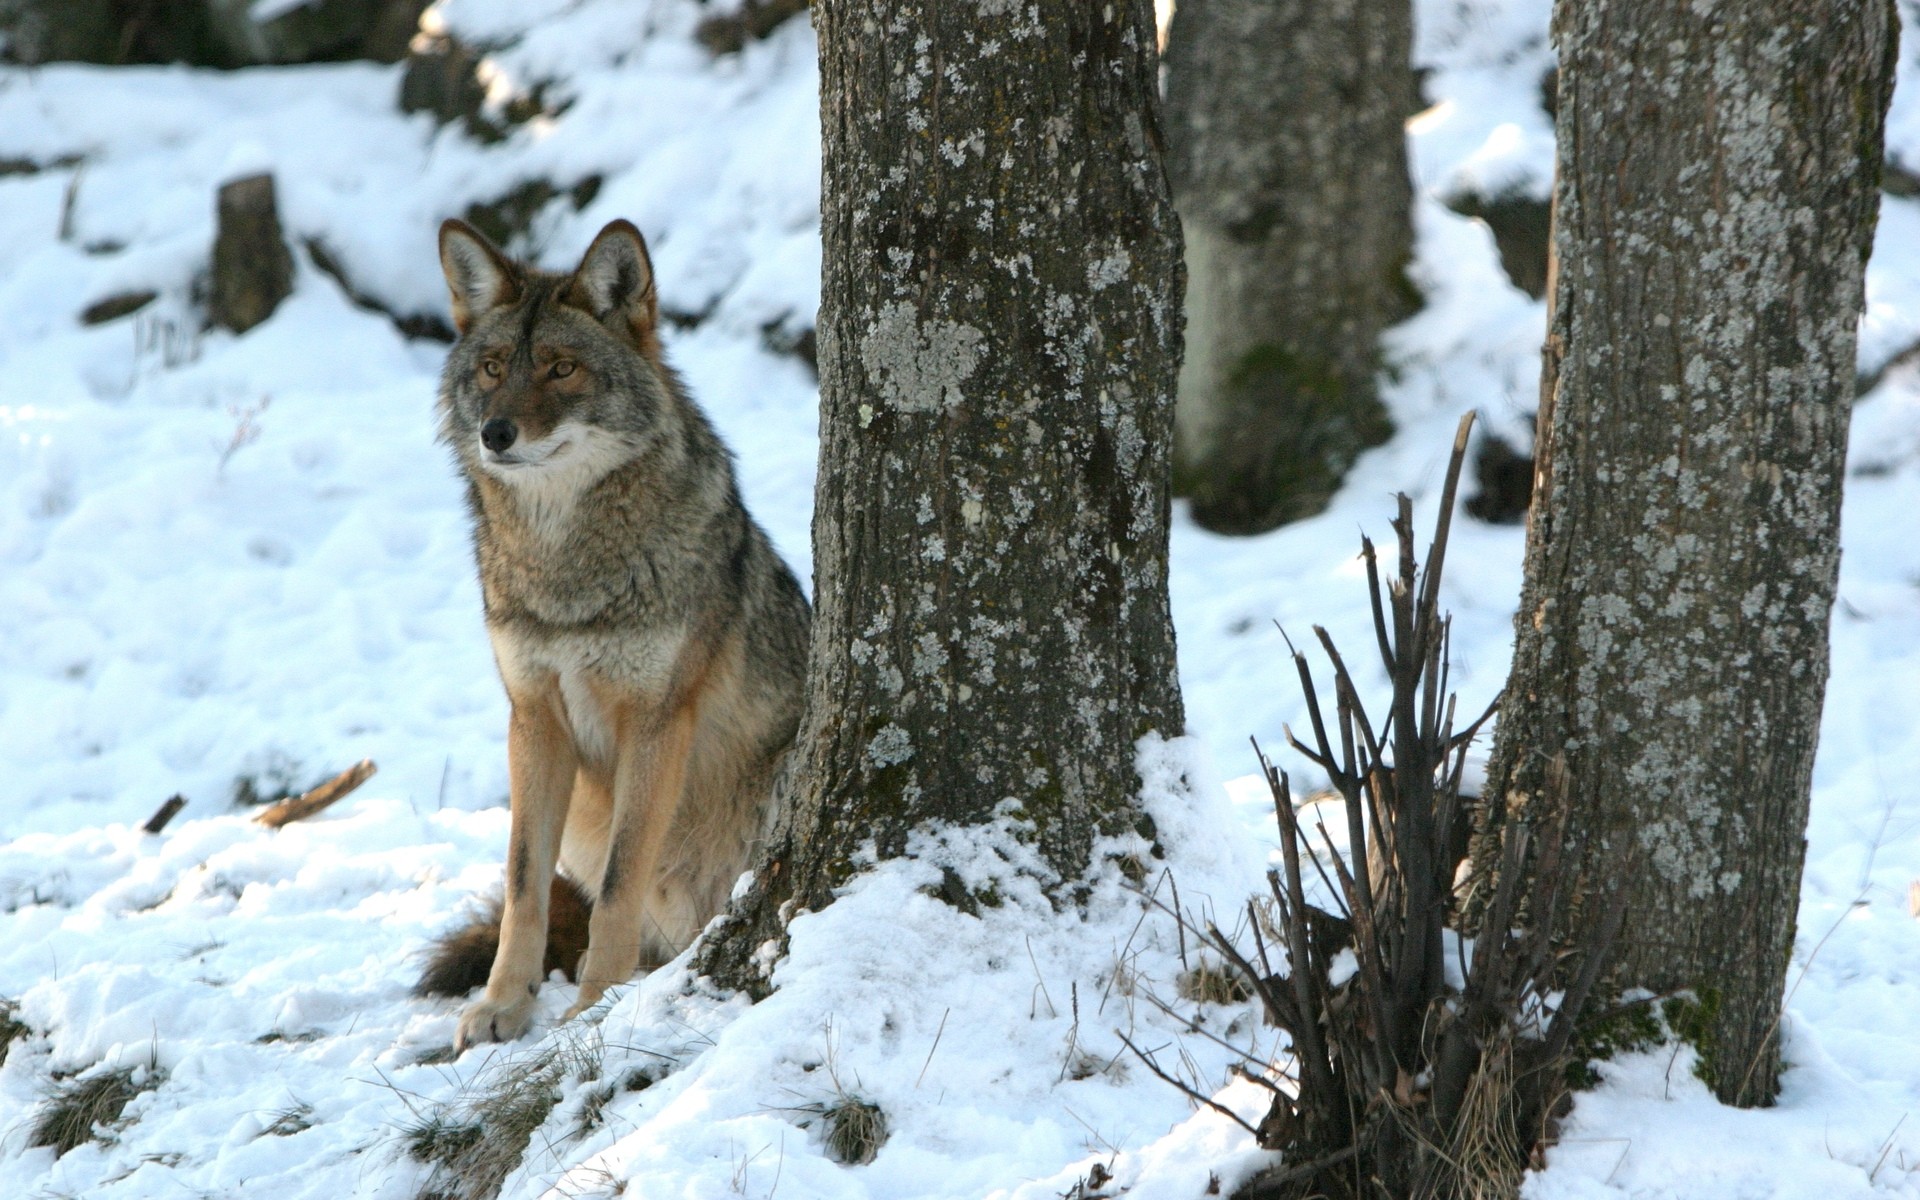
591 673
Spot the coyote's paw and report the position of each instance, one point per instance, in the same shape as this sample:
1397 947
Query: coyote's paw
589 996
489 1020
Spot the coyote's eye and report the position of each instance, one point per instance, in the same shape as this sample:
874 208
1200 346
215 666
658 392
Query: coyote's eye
491 368
562 369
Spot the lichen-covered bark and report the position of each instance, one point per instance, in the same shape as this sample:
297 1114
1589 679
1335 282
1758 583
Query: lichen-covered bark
1287 150
1716 196
999 334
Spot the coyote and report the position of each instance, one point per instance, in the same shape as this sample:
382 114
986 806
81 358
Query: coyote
652 643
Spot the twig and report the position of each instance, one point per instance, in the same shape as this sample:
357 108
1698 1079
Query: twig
1179 927
1120 959
299 808
1248 1055
1773 1029
1039 984
68 201
1887 1149
932 1048
1184 1089
1373 598
166 812
1443 522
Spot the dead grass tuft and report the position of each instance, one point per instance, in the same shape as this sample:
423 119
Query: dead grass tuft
294 1118
85 1107
1211 982
592 1113
277 1035
12 1028
278 776
852 1127
437 1139
1487 1134
435 1055
855 1129
638 1080
474 1142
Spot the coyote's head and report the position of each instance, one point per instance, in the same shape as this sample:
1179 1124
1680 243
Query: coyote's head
555 377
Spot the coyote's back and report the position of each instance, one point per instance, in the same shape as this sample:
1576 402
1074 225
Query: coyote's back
651 641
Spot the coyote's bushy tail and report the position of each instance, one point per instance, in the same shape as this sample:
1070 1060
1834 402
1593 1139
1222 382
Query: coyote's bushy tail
459 960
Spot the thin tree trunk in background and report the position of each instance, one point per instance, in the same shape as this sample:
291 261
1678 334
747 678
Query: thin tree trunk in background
1715 202
1287 149
999 336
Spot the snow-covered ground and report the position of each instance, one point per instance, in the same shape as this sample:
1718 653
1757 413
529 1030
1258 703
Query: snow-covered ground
243 558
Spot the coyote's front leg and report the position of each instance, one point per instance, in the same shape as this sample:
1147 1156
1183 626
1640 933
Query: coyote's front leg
649 780
540 764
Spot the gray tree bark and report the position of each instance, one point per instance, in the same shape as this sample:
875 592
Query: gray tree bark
1287 150
1716 198
999 336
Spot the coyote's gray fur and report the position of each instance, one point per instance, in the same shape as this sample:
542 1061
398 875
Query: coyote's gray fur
652 643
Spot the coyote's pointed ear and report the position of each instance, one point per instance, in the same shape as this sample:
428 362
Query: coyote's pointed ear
615 278
479 276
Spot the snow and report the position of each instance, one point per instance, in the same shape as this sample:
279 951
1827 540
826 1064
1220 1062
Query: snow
185 607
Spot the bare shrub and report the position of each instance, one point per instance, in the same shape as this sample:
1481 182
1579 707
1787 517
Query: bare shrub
1399 1083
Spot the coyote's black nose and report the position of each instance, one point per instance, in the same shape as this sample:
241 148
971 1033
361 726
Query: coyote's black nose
497 434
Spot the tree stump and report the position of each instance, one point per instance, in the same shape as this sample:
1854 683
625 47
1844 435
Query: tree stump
252 267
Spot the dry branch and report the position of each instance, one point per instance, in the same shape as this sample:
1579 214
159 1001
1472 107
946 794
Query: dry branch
1184 1088
166 812
299 808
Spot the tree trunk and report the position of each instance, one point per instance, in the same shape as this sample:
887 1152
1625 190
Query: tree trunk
1716 197
999 335
1286 122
